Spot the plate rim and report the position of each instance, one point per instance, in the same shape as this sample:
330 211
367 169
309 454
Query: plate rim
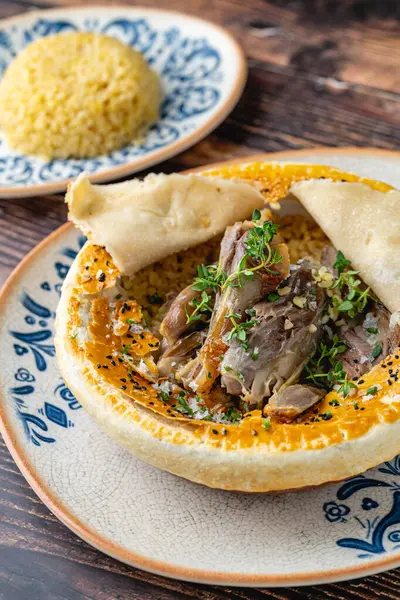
136 165
110 548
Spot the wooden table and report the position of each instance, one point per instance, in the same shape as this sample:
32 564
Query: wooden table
321 73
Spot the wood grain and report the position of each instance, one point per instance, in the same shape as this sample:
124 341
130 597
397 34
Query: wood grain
322 72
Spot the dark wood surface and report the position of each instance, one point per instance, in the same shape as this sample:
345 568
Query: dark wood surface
322 72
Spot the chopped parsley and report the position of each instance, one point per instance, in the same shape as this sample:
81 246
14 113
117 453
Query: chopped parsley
372 330
183 406
326 415
266 423
164 396
232 415
376 351
372 390
254 355
273 296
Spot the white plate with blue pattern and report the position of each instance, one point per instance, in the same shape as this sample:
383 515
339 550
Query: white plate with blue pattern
151 519
202 71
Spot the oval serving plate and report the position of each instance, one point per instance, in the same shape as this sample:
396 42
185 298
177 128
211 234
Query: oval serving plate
202 71
151 519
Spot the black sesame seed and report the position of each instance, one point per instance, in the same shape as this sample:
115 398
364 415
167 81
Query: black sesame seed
354 378
254 432
99 366
123 387
390 363
215 431
396 356
114 364
389 382
129 335
141 336
360 381
95 260
356 361
120 360
123 379
105 366
109 356
102 277
151 403
362 408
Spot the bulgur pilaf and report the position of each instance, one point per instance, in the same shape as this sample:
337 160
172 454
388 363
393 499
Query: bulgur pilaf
77 95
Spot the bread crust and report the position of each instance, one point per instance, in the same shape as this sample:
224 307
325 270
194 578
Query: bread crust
267 462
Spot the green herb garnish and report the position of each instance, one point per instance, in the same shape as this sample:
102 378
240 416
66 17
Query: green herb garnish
232 415
262 255
372 390
164 396
372 330
326 415
273 296
341 262
266 423
201 308
376 351
183 406
239 329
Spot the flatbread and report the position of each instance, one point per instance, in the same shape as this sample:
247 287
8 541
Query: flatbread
365 225
141 222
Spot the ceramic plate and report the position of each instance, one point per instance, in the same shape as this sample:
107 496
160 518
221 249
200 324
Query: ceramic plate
154 520
202 71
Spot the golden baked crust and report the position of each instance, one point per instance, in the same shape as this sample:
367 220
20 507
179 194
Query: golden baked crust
246 457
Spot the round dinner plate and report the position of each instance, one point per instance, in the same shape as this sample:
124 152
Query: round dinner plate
154 520
202 71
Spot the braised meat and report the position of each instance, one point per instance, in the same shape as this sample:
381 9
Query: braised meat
285 335
201 373
290 401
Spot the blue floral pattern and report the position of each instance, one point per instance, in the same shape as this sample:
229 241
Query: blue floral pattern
37 342
374 535
192 77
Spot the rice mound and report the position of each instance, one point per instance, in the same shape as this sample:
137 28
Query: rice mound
77 95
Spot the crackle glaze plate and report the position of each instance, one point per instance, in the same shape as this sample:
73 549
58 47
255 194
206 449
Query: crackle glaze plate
154 520
202 71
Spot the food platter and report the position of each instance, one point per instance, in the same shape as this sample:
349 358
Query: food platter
202 71
335 532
